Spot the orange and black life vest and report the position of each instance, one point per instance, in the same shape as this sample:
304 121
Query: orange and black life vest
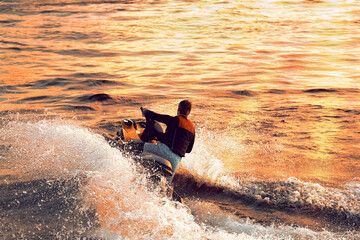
179 135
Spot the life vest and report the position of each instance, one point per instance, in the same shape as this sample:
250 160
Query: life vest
182 137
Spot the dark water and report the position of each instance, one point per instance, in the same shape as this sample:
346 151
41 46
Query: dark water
275 88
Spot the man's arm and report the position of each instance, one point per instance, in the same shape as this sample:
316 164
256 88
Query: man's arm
155 116
190 147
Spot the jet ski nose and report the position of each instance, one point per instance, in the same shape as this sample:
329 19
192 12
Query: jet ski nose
129 123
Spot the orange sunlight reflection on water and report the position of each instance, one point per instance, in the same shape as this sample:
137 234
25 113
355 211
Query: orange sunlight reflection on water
157 54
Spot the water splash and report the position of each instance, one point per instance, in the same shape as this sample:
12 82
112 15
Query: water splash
124 207
56 148
336 205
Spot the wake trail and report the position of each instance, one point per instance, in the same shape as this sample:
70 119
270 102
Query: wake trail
75 168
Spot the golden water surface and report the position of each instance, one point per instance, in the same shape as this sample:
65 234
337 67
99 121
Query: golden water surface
275 82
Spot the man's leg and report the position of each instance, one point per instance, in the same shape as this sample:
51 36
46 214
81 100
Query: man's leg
164 151
153 131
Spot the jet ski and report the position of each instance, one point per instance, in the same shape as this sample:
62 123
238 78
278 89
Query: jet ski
130 140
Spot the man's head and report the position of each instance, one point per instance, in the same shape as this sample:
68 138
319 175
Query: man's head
184 108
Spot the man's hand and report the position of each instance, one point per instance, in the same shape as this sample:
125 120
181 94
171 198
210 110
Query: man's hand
143 111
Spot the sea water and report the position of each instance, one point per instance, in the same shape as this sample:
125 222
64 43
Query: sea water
275 93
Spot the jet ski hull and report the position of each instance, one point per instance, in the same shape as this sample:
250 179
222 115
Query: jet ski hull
157 168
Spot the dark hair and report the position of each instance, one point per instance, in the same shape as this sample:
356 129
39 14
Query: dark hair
185 107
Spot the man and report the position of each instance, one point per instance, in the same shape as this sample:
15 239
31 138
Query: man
178 138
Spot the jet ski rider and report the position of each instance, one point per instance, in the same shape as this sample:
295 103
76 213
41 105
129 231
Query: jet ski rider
178 138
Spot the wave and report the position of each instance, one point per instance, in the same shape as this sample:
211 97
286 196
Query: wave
43 209
292 196
72 80
45 150
320 90
77 177
24 6
97 208
77 108
251 93
204 177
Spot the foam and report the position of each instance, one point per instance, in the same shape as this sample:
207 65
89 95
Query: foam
125 208
226 225
119 194
336 204
57 148
203 159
